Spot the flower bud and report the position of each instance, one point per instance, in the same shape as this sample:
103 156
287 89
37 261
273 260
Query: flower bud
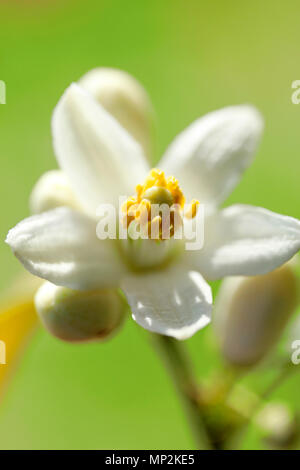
251 313
52 190
278 425
125 99
76 316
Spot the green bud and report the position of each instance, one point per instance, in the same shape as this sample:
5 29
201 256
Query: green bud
251 313
79 315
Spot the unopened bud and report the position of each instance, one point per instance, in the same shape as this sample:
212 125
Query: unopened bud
251 313
278 425
52 190
125 99
79 315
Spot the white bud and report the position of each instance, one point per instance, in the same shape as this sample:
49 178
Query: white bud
277 423
77 316
125 99
251 312
52 190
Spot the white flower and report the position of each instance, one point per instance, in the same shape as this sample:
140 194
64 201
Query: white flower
167 294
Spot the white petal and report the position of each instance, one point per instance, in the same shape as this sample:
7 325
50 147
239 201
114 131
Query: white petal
101 160
210 156
174 302
52 190
246 240
61 246
125 99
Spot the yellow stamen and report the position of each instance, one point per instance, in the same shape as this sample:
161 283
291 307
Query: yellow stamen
191 211
157 190
128 203
143 211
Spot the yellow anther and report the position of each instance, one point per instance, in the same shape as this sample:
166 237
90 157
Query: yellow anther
132 210
143 210
191 212
157 190
128 203
139 191
126 220
174 188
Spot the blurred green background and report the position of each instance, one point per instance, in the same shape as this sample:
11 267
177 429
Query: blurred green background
192 56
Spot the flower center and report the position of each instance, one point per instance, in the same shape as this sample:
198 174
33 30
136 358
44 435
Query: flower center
157 208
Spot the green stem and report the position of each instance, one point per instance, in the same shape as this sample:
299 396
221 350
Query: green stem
286 369
284 372
179 366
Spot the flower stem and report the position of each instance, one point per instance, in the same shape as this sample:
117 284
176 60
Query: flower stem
285 371
175 358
